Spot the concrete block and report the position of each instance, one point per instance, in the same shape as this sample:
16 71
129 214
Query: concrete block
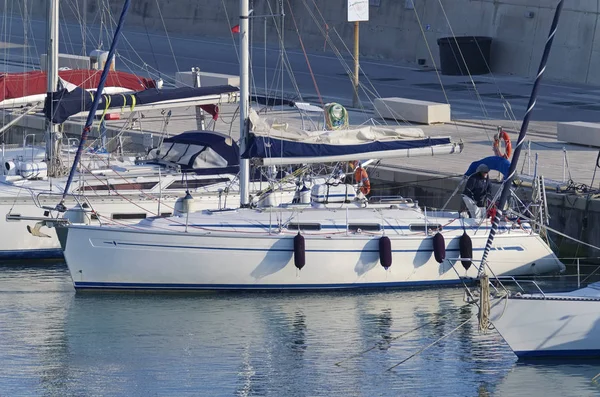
68 61
185 79
423 112
211 79
580 133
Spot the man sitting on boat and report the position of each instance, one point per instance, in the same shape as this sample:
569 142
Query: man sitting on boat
477 190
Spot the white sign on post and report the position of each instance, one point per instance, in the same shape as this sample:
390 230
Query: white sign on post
358 10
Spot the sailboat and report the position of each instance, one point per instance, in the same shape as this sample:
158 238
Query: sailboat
121 192
538 324
336 240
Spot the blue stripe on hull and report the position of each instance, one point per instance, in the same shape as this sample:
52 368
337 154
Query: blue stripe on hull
82 285
116 244
524 355
52 253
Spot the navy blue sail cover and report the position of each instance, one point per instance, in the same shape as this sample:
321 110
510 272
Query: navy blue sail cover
60 105
200 152
269 147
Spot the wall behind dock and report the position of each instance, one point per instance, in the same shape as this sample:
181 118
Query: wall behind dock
572 214
396 30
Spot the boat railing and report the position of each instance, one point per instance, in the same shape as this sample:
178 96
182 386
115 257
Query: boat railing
80 199
390 200
503 280
32 145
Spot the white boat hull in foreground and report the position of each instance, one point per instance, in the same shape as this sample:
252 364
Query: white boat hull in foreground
233 250
551 325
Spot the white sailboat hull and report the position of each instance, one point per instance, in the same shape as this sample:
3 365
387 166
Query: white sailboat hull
552 327
126 258
17 243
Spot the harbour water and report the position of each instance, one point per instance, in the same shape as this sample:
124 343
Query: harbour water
54 342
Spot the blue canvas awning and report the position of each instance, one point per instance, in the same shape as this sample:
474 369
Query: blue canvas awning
200 152
496 163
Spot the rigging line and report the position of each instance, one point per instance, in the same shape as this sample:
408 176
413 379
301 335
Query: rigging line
437 72
232 34
286 61
116 191
343 62
78 17
477 95
144 66
167 34
305 55
65 37
348 69
151 46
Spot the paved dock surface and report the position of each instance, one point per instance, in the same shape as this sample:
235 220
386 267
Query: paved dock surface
479 104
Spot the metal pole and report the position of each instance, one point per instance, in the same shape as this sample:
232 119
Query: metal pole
52 76
199 112
244 105
578 275
529 158
356 65
564 164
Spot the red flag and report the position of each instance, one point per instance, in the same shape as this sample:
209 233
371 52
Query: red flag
213 110
235 29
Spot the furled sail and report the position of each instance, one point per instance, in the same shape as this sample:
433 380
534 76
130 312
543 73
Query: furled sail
61 105
274 143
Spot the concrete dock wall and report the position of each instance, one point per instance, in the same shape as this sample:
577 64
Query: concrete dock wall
405 30
571 214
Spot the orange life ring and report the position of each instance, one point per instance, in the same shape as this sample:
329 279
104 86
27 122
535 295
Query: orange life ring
507 145
362 178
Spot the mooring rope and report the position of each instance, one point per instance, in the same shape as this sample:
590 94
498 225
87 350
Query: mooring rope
431 344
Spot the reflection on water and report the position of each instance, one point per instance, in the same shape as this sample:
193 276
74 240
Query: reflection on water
53 342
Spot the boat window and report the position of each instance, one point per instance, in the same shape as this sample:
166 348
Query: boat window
365 227
420 227
166 214
129 216
120 186
304 226
196 183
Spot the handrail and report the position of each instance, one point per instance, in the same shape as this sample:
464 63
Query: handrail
518 282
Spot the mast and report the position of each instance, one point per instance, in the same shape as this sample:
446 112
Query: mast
513 165
51 134
97 96
244 103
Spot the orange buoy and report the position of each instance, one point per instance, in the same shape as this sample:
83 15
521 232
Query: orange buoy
362 178
502 136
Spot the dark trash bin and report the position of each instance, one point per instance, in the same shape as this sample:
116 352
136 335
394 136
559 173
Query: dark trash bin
475 53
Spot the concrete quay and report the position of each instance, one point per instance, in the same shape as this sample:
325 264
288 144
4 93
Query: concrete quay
399 30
